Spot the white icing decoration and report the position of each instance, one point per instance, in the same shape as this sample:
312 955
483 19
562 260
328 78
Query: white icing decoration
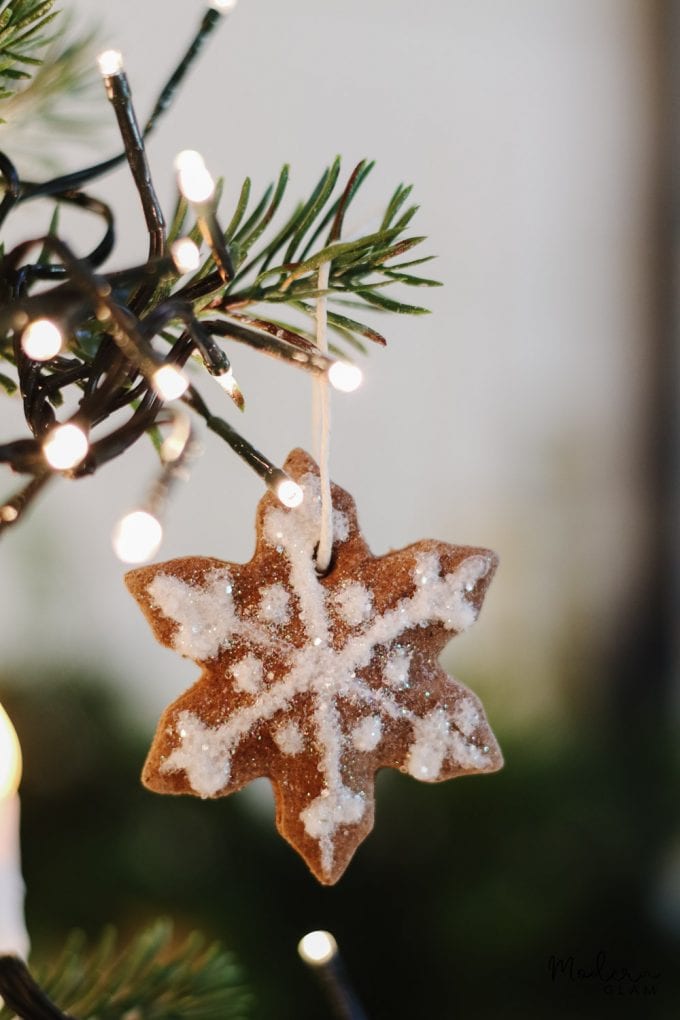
274 605
327 813
429 748
466 753
289 738
207 621
367 734
200 755
466 716
205 615
397 667
353 603
247 674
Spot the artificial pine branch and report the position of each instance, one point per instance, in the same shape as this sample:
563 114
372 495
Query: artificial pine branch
359 268
152 979
273 278
65 72
22 35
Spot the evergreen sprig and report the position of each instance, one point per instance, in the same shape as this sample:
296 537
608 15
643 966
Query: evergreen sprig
58 98
283 271
153 978
23 25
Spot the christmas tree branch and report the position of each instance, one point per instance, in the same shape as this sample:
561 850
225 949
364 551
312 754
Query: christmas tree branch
151 978
125 340
22 25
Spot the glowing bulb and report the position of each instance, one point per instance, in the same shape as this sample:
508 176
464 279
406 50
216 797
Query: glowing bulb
318 948
185 255
41 340
194 178
110 62
65 447
174 445
224 6
137 536
344 377
8 513
169 382
10 756
290 493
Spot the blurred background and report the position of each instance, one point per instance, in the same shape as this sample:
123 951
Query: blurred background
533 412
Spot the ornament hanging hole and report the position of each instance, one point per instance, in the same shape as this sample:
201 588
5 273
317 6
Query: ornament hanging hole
329 569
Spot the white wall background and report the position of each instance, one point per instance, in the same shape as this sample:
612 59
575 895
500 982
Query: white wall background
507 418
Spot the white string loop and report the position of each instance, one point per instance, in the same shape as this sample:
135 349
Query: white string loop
322 428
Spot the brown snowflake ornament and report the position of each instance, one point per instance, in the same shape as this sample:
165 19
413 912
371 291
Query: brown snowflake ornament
317 682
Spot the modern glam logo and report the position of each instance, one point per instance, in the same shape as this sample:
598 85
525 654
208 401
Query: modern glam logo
610 978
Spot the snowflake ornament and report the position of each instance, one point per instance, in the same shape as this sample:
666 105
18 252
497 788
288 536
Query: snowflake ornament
317 681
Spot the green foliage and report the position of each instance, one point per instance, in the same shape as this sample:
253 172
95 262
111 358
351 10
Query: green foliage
50 87
568 850
153 978
283 271
22 36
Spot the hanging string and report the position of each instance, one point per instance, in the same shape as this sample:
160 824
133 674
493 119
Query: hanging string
322 428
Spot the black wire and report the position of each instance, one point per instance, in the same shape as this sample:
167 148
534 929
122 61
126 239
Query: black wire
67 182
118 91
214 357
23 995
51 271
245 450
13 186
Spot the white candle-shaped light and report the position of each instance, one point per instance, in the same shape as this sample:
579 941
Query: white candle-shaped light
65 447
197 185
345 377
42 340
137 537
289 493
169 383
185 255
13 934
195 180
319 950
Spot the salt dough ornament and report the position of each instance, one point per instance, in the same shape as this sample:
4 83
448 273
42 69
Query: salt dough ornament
317 682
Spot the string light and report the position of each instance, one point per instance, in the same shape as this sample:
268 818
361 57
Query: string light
319 951
137 537
317 948
110 63
169 382
198 187
345 377
65 447
289 493
10 756
185 255
228 382
97 297
174 445
193 177
41 340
